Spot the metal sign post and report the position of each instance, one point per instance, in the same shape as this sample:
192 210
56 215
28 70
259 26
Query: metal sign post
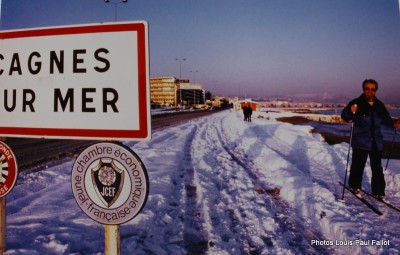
3 225
112 240
3 221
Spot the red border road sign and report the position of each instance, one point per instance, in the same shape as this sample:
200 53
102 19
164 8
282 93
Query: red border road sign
126 122
8 169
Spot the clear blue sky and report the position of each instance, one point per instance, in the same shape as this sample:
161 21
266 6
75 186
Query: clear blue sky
255 47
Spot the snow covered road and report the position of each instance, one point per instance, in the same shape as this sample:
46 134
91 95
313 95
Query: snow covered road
208 179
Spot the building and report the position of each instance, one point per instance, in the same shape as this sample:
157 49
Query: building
239 104
220 102
207 95
170 91
163 90
191 93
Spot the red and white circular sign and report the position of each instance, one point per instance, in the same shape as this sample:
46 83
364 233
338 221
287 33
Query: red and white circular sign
8 169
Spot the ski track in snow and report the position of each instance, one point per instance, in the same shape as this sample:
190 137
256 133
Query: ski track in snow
252 237
203 200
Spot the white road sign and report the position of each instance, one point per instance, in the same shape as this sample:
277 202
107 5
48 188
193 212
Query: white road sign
87 81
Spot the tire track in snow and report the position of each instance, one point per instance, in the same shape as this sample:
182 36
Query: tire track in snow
233 228
195 235
168 193
298 235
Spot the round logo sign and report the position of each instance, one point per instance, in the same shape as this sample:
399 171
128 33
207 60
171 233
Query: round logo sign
8 169
110 183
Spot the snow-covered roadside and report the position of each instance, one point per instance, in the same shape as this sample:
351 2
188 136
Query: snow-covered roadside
308 171
203 180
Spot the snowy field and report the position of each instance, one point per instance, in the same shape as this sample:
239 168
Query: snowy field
208 183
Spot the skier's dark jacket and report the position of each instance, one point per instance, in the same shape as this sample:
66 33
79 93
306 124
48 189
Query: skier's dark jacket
363 129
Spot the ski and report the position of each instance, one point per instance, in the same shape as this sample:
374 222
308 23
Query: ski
382 201
363 200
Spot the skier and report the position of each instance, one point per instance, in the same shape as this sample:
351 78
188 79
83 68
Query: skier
367 114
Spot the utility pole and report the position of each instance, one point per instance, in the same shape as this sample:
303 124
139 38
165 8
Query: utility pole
180 77
194 82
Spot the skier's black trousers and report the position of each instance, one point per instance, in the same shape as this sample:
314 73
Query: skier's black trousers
359 160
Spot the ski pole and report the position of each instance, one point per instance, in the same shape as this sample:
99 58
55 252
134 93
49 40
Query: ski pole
348 154
391 149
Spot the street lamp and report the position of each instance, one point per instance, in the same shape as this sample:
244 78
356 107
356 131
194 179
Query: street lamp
194 82
180 77
194 75
115 6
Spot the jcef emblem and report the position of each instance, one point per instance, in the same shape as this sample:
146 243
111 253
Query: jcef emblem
108 181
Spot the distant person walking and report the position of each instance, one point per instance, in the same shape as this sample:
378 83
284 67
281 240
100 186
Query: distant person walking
367 114
247 112
244 109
